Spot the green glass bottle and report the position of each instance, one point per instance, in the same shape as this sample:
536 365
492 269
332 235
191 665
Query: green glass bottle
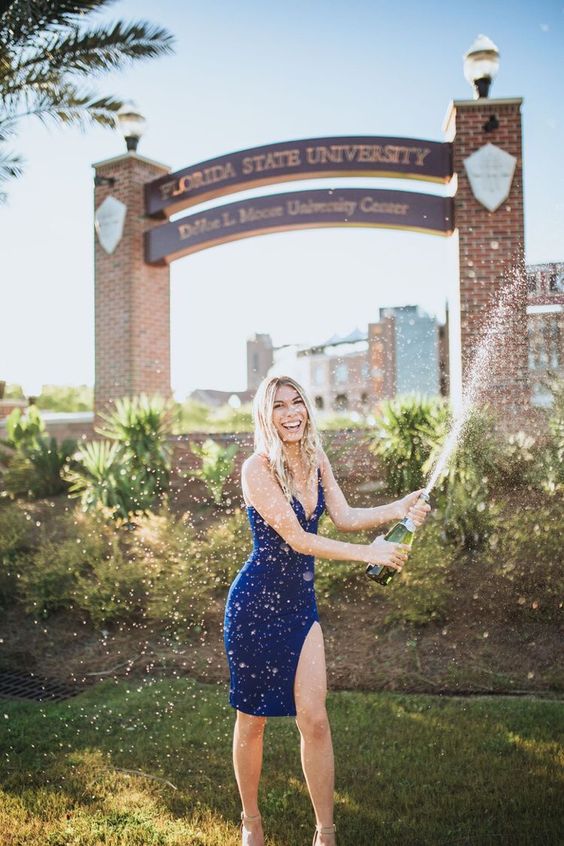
402 532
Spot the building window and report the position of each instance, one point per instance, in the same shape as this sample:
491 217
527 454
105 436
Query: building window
341 373
533 283
545 344
556 282
318 374
341 402
541 396
554 343
319 403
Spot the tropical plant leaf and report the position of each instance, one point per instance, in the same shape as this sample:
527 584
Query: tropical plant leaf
46 50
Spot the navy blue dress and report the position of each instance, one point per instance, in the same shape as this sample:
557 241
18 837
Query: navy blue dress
269 611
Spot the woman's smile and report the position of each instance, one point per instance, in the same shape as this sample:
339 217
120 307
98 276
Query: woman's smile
294 426
289 402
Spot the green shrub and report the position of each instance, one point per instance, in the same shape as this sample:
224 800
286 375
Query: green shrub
104 476
24 430
112 588
195 416
420 595
334 579
65 551
463 494
176 593
66 398
227 545
49 575
141 426
401 439
525 553
87 570
217 465
552 461
40 472
517 464
14 543
130 470
228 419
34 467
187 575
338 422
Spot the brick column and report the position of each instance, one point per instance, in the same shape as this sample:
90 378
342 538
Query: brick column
491 249
132 299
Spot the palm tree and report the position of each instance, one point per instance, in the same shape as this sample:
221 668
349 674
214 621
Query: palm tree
48 57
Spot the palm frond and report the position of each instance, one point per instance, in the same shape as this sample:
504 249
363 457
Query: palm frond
23 19
45 47
11 166
104 49
70 106
94 51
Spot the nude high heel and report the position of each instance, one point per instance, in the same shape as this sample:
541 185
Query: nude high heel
245 818
319 829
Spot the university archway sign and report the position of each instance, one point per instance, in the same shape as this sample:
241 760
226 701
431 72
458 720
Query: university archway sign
132 278
299 210
313 158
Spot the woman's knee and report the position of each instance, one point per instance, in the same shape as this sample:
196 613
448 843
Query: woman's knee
250 725
313 722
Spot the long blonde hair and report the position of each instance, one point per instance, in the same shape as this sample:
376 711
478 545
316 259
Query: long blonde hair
267 440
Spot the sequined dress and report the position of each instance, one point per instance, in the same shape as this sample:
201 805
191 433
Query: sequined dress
269 611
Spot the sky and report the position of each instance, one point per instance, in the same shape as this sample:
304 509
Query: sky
250 73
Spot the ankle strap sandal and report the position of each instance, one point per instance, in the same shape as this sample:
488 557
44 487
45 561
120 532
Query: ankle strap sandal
245 818
320 829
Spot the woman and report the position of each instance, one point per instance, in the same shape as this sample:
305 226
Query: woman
272 635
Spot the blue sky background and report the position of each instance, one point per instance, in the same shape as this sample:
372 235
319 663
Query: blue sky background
249 73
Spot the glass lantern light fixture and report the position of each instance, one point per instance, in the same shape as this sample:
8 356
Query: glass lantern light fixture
131 123
481 64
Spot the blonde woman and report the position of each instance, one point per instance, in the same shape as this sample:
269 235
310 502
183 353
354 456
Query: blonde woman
272 635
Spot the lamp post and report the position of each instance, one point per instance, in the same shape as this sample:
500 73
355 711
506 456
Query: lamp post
132 125
481 64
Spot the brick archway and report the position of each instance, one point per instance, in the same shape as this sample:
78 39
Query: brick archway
132 299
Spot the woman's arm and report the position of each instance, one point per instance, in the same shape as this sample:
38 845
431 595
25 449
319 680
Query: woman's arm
349 519
264 494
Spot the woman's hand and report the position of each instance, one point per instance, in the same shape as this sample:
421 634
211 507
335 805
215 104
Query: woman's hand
413 507
381 551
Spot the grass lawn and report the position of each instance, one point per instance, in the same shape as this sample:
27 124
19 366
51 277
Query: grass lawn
410 769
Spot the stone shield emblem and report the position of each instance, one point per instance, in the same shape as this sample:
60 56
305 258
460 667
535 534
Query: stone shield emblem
490 171
109 220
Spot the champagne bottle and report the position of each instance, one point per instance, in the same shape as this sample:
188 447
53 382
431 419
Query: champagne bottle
402 532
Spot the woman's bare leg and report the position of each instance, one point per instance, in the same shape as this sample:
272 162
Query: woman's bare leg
247 763
310 691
